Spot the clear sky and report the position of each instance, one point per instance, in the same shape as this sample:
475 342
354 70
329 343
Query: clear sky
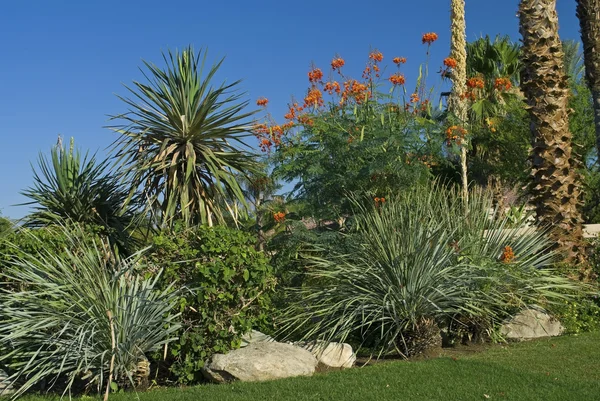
64 60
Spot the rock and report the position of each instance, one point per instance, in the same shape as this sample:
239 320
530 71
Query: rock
331 355
531 323
255 336
260 361
5 385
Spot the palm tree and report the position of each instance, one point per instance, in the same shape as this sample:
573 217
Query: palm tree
457 104
554 179
75 188
178 140
588 12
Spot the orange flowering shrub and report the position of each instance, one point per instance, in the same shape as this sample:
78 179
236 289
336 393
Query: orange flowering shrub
429 38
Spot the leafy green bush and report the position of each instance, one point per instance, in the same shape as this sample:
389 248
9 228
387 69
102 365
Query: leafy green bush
80 316
423 260
579 315
229 285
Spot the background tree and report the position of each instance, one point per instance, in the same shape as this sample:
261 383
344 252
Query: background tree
554 179
588 12
182 140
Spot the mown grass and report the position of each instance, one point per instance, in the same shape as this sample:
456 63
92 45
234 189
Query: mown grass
563 368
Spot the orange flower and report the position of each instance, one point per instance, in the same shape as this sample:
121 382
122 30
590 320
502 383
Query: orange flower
429 38
265 144
399 60
414 98
376 56
450 62
316 75
469 95
306 120
337 63
455 134
379 201
397 79
279 217
508 255
502 84
262 101
331 87
475 82
313 98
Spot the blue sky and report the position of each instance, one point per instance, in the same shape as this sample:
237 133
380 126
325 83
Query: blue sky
64 61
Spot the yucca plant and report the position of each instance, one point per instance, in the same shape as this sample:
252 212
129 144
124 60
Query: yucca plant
71 187
81 317
182 140
424 261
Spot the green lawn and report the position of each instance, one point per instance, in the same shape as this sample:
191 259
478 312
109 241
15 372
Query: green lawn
566 368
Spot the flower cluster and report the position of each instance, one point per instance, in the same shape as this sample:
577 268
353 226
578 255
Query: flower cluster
379 201
356 91
279 217
331 87
429 38
337 63
397 79
270 135
414 98
262 101
508 255
475 83
376 56
314 98
455 134
450 62
399 60
316 75
502 84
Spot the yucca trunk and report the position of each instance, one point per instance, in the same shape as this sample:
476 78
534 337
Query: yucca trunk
457 104
588 12
554 178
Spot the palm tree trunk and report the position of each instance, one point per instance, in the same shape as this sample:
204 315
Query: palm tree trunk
554 178
588 12
456 104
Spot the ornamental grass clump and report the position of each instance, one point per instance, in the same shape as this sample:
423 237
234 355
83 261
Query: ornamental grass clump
425 263
81 318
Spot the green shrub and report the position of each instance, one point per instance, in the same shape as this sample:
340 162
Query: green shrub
423 261
228 291
73 314
579 315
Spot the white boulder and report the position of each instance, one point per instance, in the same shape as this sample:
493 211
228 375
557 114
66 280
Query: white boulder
531 323
261 361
